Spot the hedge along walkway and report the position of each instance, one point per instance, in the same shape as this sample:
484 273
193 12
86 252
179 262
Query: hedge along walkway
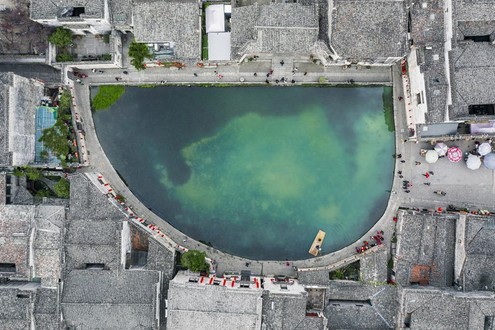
106 96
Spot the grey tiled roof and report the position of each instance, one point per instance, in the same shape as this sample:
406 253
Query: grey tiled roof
5 157
107 299
92 231
425 240
480 260
47 244
19 193
14 311
274 28
19 97
427 24
351 305
163 21
287 15
162 259
474 28
191 305
50 9
283 311
87 202
77 256
312 322
94 286
472 10
46 301
243 21
122 317
120 12
15 229
472 77
429 308
46 311
368 29
373 266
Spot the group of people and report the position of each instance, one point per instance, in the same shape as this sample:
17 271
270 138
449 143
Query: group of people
374 241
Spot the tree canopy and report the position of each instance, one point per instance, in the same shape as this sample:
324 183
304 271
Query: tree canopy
139 52
62 188
31 173
61 37
194 260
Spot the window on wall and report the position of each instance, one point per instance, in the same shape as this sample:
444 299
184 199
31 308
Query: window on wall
77 11
95 266
6 267
420 98
482 109
485 38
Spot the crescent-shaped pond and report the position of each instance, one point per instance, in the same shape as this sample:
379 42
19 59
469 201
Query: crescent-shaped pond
256 171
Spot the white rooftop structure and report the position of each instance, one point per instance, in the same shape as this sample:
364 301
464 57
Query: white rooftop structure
215 18
219 46
196 302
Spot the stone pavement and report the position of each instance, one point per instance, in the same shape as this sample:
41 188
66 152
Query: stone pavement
450 177
234 74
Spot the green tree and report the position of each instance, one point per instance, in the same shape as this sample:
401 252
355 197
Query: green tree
138 52
44 155
43 193
32 173
18 172
61 37
62 188
194 260
55 138
64 100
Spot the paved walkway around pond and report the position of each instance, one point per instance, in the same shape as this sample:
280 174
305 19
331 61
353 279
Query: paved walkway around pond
236 73
225 262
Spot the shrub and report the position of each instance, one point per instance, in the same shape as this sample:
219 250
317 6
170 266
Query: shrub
106 57
32 173
61 37
64 57
62 188
194 260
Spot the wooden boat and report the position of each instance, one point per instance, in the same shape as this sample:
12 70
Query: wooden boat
317 243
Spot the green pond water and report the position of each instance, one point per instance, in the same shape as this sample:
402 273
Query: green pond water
256 171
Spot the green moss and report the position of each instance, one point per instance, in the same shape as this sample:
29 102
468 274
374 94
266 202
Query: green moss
388 108
106 96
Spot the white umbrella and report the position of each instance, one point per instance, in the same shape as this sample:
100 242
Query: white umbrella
489 161
484 149
441 148
473 162
431 156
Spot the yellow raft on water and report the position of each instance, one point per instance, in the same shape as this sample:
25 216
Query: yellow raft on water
317 243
